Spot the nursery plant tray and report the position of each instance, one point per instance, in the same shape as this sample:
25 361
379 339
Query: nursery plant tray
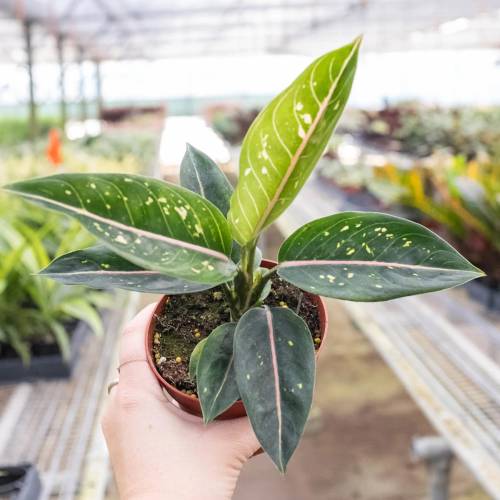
50 422
51 366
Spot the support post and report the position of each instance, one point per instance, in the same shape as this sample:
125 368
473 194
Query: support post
83 102
437 455
98 89
62 90
28 24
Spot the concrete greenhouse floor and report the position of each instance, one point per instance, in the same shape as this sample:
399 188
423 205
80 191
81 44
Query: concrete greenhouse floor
357 441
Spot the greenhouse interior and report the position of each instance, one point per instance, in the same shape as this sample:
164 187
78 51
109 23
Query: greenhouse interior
200 196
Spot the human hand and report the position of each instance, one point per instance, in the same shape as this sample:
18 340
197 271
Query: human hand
157 450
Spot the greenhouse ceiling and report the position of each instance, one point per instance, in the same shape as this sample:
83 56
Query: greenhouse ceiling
154 29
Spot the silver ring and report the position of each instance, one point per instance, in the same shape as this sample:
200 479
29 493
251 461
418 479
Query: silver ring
111 385
131 361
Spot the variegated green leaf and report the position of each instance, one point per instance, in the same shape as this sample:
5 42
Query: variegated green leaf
200 174
100 267
215 378
275 369
286 140
195 357
365 256
155 225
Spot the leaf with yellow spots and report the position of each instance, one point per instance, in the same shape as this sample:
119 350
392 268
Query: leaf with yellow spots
275 368
215 378
195 357
153 224
365 256
99 267
200 174
287 139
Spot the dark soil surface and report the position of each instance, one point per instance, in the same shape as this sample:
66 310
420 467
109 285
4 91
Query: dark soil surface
188 319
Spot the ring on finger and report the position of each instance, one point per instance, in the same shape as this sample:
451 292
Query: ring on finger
130 361
111 385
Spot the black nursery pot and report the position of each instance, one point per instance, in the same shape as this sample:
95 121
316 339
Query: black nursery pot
48 366
20 482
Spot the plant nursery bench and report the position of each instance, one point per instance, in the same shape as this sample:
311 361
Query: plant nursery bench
446 352
51 423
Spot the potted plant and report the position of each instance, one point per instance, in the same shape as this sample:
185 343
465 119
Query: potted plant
197 245
42 323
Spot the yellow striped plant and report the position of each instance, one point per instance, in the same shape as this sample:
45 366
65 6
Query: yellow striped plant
158 237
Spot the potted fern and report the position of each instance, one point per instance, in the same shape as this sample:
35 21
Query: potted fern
234 328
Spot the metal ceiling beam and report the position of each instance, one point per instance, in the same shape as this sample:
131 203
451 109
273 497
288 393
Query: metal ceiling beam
81 85
62 80
211 9
48 23
29 56
98 89
320 21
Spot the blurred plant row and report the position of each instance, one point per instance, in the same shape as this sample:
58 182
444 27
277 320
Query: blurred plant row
422 130
456 197
16 130
440 166
36 313
231 122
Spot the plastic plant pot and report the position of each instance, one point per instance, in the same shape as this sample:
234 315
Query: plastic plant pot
192 404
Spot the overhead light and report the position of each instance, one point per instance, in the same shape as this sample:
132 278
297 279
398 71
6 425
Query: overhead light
455 26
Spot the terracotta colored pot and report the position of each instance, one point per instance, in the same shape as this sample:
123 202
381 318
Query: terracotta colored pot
191 404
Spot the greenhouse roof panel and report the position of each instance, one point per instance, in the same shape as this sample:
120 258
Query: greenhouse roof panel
154 29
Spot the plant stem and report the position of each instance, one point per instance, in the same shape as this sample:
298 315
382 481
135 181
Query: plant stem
228 292
244 280
259 286
248 286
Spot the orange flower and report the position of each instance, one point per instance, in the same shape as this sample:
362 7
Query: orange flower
54 148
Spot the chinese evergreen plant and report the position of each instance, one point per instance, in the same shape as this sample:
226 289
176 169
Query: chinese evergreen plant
162 238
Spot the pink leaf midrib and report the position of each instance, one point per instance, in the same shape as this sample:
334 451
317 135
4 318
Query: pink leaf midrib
274 360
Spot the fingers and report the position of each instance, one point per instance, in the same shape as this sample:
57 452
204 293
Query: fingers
244 436
174 407
135 373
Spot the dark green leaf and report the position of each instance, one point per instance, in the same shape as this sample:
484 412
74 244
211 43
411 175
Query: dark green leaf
275 368
100 267
257 259
149 222
265 291
195 357
365 256
286 140
217 387
235 252
199 173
